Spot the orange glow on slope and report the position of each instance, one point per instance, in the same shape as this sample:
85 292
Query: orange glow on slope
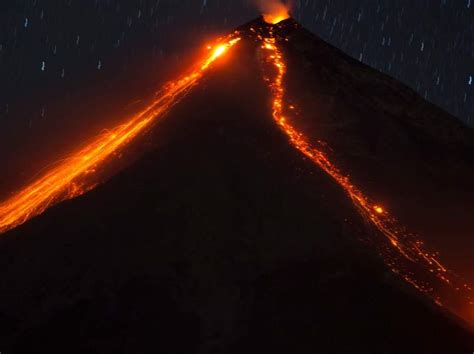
276 12
68 179
401 246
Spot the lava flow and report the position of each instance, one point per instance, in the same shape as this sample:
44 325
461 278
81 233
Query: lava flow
404 254
69 178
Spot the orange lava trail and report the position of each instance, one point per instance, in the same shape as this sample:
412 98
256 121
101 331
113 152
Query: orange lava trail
402 249
69 178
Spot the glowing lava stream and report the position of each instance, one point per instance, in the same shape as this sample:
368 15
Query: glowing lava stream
64 181
401 246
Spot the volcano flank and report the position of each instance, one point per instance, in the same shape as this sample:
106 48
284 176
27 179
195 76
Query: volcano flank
225 236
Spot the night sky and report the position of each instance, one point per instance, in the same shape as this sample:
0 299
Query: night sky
55 53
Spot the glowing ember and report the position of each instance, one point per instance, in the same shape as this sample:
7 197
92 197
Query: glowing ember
69 178
378 209
403 252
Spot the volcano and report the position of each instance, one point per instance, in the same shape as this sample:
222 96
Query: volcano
298 213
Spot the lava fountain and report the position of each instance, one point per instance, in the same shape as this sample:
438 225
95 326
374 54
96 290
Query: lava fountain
71 177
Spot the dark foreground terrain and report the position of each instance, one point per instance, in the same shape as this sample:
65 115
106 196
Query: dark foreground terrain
222 239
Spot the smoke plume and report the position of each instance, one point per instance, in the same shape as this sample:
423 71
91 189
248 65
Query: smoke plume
272 6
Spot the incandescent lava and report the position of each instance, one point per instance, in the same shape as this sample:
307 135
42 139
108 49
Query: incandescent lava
70 178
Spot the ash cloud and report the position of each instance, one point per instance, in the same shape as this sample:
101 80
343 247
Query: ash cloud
272 6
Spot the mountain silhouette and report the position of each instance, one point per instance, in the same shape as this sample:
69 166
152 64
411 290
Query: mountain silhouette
223 238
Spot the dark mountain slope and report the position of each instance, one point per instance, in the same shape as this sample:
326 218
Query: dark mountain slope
221 239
